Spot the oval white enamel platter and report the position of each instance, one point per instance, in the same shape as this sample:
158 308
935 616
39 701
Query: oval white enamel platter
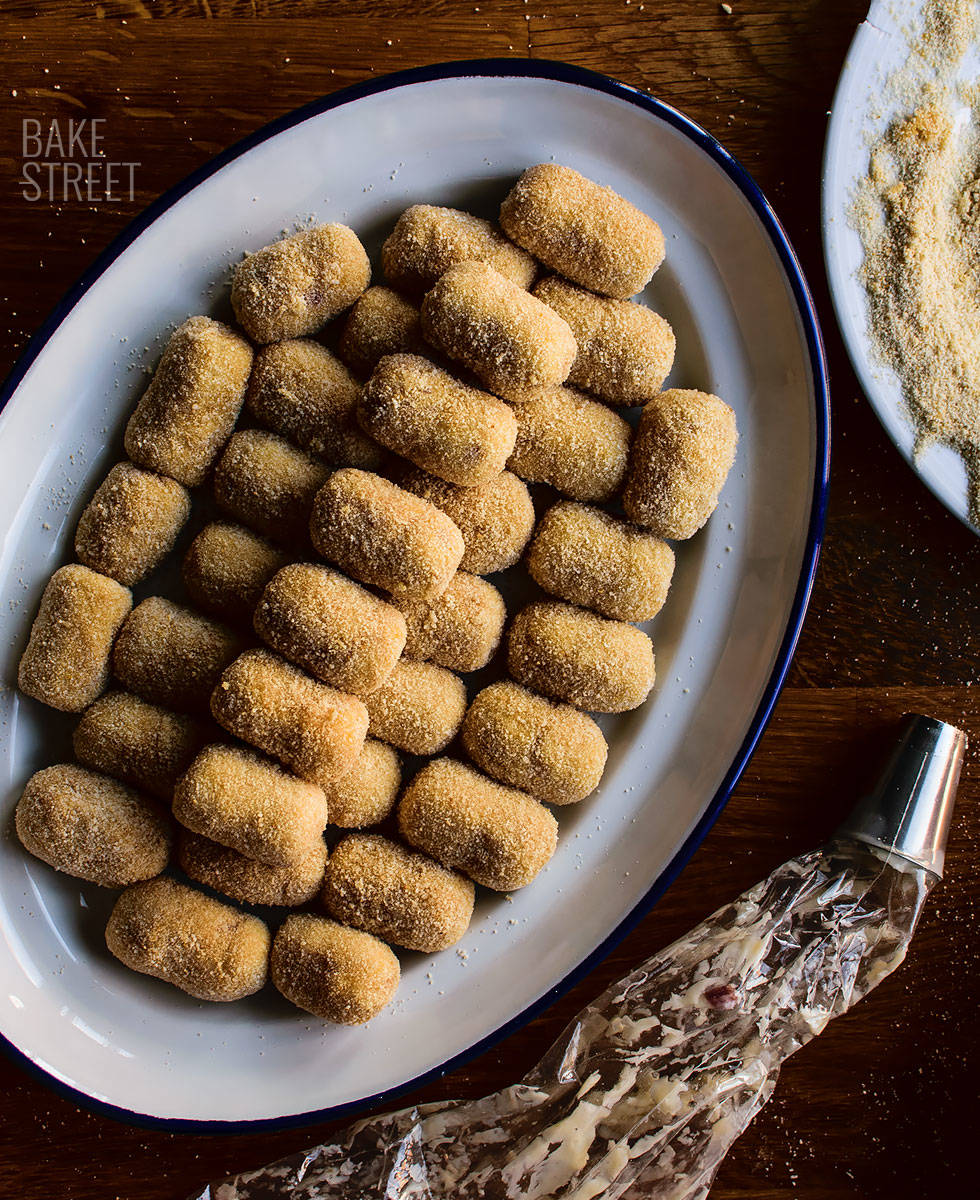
861 113
458 135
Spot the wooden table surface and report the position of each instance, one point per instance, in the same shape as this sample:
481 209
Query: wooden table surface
878 1106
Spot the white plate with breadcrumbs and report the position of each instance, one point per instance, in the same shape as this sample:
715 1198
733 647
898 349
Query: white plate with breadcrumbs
456 135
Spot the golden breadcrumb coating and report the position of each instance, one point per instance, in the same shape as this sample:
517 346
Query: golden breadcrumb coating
380 323
365 795
92 827
332 627
496 518
338 974
247 802
461 629
428 240
310 728
585 231
585 556
421 412
574 655
66 663
549 749
190 408
131 523
226 569
175 933
625 351
401 896
248 881
506 337
497 835
385 536
291 288
419 709
682 453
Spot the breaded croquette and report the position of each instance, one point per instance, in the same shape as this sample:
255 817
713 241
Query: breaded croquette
419 709
365 794
459 630
226 569
380 323
248 881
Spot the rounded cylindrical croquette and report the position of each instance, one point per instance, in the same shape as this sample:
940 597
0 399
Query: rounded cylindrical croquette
137 743
506 337
385 536
587 557
173 932
422 413
625 351
419 708
496 518
313 730
269 485
380 323
294 286
226 569
461 629
250 804
66 663
594 663
404 897
170 656
497 835
577 445
549 749
190 408
365 794
92 827
428 240
682 452
131 523
338 974
301 392
330 626
246 880
583 230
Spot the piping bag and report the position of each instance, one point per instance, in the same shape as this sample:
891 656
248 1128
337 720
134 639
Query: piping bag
648 1087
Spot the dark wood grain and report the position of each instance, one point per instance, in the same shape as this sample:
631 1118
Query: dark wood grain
878 1106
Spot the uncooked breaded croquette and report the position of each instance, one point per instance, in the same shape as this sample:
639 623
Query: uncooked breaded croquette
546 748
246 880
226 569
461 629
496 518
422 413
419 709
175 933
497 835
300 391
585 556
380 323
577 445
385 536
310 728
506 337
682 453
269 485
365 794
190 408
92 827
293 287
401 896
338 974
332 627
428 240
249 803
66 663
625 351
131 523
137 743
171 656
585 231
594 663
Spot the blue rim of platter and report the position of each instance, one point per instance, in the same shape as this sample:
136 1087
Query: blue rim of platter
577 77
